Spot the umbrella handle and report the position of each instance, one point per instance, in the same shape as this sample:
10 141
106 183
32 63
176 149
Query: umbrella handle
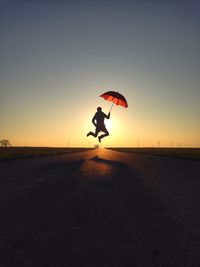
111 107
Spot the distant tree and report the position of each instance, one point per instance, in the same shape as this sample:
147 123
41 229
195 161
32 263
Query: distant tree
5 143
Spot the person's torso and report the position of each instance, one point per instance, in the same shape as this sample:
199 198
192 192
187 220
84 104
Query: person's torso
100 116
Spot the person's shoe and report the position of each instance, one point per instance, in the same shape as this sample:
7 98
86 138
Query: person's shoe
99 139
88 134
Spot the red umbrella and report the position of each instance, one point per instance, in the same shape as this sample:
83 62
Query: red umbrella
116 98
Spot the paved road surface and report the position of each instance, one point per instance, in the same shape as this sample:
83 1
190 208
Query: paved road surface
100 208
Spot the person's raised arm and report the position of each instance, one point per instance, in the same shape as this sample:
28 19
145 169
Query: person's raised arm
108 116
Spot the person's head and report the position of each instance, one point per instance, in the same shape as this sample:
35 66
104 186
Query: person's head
99 109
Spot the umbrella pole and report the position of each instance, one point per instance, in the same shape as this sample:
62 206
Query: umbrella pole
111 107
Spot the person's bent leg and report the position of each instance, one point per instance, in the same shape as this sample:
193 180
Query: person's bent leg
106 133
93 134
90 133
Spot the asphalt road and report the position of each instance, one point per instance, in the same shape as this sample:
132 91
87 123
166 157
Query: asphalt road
100 208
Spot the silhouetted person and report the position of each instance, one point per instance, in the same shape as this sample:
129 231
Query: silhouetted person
98 121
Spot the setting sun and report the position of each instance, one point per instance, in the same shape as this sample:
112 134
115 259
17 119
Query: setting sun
109 125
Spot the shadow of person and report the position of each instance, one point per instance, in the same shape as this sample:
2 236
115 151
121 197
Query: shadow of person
111 162
121 172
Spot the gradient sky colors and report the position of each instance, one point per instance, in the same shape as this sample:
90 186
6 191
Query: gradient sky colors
58 56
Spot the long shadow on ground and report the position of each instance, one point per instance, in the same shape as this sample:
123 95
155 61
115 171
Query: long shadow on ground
64 220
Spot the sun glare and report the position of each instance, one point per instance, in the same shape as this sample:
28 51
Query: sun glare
109 124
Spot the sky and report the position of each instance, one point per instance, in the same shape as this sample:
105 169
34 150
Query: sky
58 57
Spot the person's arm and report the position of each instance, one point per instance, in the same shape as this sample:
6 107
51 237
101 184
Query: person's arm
107 116
94 121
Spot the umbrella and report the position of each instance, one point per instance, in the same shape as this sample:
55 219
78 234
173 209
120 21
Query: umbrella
116 98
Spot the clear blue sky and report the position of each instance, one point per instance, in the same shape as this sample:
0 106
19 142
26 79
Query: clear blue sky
57 57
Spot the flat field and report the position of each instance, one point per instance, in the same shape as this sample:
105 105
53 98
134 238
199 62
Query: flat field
181 153
11 153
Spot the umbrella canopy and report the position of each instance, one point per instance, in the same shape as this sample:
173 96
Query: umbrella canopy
116 98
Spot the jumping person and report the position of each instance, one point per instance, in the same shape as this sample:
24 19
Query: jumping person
98 121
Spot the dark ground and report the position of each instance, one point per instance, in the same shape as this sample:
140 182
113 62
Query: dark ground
100 208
